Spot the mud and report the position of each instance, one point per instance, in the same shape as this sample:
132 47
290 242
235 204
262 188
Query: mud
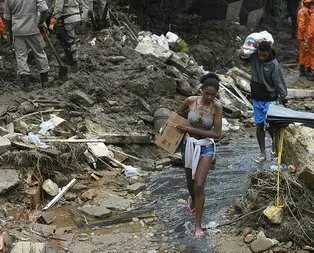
120 97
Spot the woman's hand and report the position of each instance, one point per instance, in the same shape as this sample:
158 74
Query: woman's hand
183 129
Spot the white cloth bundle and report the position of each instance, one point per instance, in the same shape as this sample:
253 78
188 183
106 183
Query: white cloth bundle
193 151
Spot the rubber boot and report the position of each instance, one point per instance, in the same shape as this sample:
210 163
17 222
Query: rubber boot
308 71
302 71
74 66
26 82
310 77
44 79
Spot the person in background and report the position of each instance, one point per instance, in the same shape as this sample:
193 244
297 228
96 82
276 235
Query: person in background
291 11
309 43
204 114
267 86
97 9
303 22
24 27
65 20
2 28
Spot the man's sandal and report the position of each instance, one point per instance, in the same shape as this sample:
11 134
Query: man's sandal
260 159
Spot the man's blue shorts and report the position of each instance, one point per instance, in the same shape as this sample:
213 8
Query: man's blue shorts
260 109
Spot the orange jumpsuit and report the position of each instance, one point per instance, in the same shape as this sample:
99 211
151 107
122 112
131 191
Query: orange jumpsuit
303 21
310 37
2 28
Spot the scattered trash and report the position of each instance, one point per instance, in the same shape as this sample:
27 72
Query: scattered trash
35 140
130 171
93 42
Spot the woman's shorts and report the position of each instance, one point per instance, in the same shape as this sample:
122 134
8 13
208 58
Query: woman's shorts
206 150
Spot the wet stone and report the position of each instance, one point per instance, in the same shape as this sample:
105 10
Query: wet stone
9 178
261 244
136 188
113 202
4 144
89 194
81 98
95 211
27 247
249 238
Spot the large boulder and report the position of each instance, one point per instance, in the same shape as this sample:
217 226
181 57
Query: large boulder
299 148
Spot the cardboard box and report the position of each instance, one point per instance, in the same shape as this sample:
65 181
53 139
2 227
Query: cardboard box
169 139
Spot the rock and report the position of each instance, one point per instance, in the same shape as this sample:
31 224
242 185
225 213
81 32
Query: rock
303 251
89 194
261 234
164 85
158 51
307 177
165 161
21 127
149 220
116 59
60 179
7 239
29 247
78 187
50 187
81 98
133 180
307 247
261 244
131 53
9 178
247 231
70 196
288 245
136 188
135 219
249 238
113 202
26 107
21 247
184 88
279 249
4 144
299 139
96 211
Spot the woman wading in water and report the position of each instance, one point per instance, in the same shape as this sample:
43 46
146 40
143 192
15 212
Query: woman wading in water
205 117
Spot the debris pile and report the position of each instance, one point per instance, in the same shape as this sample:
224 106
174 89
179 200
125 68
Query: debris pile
297 199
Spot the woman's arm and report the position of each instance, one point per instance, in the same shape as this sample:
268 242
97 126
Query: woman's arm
185 106
214 133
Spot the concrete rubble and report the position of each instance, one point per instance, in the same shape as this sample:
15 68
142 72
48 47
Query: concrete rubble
92 127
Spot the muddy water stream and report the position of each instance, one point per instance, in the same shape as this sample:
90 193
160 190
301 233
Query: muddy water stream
226 181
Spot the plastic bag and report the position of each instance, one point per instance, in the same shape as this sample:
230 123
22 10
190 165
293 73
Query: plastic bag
251 42
35 140
130 171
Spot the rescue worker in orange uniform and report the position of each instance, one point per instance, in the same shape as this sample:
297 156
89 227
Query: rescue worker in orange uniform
2 29
303 22
309 43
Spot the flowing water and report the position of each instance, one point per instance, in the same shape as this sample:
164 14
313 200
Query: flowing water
227 181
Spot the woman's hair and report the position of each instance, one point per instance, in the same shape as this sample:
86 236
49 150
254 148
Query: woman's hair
210 80
264 46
